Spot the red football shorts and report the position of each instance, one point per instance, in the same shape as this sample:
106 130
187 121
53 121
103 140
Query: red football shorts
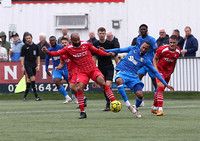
165 77
85 76
72 78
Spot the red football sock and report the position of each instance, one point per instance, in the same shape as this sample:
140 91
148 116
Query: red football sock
160 96
109 93
80 98
155 100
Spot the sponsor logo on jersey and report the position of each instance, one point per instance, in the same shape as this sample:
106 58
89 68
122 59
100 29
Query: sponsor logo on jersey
80 54
169 60
132 59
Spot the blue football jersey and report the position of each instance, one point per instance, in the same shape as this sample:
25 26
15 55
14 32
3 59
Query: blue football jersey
150 53
55 59
133 61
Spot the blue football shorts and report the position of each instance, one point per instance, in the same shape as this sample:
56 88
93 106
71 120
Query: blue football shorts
60 73
130 80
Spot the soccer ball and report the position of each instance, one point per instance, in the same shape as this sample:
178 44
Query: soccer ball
115 106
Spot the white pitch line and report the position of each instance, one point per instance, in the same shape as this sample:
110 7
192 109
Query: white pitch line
61 111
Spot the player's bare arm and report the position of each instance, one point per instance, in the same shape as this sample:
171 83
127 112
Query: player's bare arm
60 65
155 62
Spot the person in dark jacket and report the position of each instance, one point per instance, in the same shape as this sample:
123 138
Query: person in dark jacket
189 44
176 32
163 39
92 37
5 43
41 44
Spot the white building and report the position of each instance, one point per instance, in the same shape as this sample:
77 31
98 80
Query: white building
45 17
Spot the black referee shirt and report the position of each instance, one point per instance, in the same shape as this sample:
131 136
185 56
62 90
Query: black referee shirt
30 52
104 62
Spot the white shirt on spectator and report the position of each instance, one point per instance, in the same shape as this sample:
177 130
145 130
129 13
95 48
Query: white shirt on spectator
3 54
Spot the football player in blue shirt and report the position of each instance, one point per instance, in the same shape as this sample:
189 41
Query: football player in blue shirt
145 37
127 73
143 29
57 74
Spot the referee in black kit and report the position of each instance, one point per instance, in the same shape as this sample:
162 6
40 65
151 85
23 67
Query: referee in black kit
30 61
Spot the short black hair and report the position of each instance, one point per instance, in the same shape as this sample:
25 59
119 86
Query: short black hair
174 37
65 39
143 25
148 43
52 37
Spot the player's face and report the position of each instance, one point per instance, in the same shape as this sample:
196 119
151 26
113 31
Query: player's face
28 39
52 41
76 41
101 35
143 30
144 48
64 43
172 44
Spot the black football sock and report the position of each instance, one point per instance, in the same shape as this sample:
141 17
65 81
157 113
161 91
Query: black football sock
27 89
34 89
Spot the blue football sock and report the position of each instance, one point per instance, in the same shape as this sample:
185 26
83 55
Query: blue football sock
155 90
62 91
138 102
122 92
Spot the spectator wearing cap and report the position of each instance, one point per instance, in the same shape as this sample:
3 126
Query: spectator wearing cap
15 51
3 52
5 44
41 44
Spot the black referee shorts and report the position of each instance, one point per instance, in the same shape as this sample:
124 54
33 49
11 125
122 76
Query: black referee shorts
108 73
30 69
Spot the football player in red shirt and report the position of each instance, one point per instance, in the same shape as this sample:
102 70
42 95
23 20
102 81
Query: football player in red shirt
79 52
164 62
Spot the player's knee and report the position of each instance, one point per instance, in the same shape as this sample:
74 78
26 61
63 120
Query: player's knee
139 94
119 81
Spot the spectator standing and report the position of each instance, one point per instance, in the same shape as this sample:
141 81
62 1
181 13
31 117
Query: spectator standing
105 63
92 37
5 44
133 43
176 32
3 52
65 35
114 41
15 51
41 44
163 39
30 61
189 44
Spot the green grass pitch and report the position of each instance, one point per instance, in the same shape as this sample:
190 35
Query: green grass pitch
50 120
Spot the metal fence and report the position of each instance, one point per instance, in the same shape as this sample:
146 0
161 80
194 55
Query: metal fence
186 76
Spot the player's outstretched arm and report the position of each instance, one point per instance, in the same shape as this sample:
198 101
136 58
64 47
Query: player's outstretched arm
120 50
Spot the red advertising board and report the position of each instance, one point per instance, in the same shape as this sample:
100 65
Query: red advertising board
63 1
11 73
